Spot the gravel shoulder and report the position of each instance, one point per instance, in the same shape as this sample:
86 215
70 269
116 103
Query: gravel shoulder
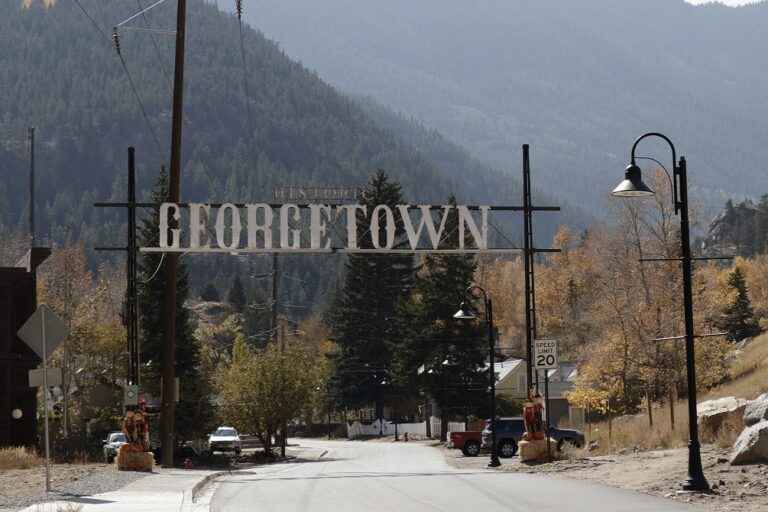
20 488
655 472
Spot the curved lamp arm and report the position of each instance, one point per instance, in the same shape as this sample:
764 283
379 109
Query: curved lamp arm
674 162
486 300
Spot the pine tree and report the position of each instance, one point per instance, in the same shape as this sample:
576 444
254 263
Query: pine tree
236 294
452 354
257 319
209 293
194 413
738 319
364 319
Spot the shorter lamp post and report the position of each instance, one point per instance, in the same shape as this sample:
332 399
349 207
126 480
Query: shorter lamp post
465 313
633 186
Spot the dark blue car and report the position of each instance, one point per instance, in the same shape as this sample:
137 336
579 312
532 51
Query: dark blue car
509 432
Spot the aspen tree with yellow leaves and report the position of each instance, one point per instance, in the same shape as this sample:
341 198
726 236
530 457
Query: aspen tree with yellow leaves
93 355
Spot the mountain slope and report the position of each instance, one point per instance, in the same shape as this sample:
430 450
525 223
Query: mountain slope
578 79
61 74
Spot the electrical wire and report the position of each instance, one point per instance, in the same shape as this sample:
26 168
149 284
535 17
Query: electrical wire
162 257
239 8
116 44
154 43
87 15
141 106
170 83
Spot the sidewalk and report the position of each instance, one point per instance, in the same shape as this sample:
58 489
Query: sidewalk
164 490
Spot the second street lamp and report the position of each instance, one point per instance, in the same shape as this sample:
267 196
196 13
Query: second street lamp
465 313
633 186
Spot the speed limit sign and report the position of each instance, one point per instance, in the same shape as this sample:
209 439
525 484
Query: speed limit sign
545 354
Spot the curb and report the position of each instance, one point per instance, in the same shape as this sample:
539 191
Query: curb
191 493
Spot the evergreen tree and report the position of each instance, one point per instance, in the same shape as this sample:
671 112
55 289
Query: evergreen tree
452 354
194 412
257 319
236 294
364 320
209 293
738 319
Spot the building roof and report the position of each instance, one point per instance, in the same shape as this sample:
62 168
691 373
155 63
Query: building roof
505 367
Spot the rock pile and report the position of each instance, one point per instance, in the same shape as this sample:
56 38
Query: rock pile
752 444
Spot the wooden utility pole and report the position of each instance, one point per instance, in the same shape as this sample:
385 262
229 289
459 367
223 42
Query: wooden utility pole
169 298
274 295
32 186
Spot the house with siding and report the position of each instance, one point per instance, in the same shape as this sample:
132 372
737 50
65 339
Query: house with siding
511 379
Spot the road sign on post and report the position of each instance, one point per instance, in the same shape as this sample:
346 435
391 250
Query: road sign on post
43 331
37 378
545 354
32 332
545 358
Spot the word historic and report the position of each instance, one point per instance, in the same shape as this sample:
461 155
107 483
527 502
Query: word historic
318 228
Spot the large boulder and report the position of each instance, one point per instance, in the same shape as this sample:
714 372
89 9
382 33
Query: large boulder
752 445
756 410
712 413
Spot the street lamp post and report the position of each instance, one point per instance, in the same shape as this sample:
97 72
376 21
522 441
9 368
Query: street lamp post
465 313
633 186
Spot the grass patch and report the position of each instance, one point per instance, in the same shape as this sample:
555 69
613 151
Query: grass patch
749 374
748 379
18 457
635 433
728 433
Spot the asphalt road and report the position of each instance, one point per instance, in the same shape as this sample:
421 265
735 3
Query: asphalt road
372 476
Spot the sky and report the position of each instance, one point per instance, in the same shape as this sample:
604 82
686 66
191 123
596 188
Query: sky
732 3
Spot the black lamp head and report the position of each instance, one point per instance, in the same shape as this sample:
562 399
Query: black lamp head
464 312
633 184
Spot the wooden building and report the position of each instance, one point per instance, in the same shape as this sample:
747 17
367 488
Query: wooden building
18 300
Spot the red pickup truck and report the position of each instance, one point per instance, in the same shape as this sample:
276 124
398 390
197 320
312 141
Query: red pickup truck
467 442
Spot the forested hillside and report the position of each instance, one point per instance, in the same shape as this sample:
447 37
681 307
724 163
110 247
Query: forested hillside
577 79
281 125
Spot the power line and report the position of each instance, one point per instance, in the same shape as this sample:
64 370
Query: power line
115 41
141 104
239 7
94 22
168 80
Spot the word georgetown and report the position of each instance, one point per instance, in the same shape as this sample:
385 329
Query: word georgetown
236 228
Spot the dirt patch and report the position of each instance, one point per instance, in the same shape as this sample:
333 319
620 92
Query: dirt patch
16 482
656 472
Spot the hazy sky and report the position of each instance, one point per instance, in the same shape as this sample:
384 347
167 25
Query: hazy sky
732 3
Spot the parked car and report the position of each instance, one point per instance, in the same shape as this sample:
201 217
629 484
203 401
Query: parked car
509 432
112 443
468 442
225 439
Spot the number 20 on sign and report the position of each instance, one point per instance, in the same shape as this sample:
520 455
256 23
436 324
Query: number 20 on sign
545 354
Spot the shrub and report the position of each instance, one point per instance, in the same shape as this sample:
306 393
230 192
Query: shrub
18 457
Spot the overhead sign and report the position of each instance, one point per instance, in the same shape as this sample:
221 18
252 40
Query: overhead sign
37 377
320 228
309 193
43 328
545 354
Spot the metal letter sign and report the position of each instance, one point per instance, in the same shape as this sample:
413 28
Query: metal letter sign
545 354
